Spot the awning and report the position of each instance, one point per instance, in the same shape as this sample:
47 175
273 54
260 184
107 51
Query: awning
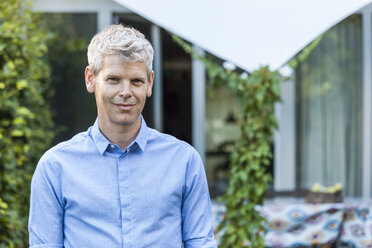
247 33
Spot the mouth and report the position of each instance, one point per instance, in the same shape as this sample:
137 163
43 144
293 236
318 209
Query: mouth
125 107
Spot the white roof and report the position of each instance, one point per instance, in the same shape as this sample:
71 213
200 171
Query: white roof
247 33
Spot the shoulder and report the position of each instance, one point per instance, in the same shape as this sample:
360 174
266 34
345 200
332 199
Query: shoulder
167 140
173 147
66 148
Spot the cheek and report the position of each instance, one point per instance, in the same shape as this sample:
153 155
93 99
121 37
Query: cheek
148 92
108 92
102 100
143 93
99 100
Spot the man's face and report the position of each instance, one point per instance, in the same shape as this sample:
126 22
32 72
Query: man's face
120 89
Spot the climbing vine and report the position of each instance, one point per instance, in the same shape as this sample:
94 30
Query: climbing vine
248 181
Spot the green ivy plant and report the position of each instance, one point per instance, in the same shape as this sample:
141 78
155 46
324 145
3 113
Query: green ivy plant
248 180
304 53
25 117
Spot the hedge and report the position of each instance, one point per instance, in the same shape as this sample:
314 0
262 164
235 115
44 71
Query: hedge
26 127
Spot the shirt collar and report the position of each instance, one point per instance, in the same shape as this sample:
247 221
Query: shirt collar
142 135
102 143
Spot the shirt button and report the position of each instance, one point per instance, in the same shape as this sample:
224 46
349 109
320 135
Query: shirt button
112 146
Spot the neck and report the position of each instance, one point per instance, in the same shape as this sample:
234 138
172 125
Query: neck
118 134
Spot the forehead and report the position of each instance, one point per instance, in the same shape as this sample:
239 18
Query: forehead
114 64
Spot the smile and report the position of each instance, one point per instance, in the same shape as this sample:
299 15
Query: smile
126 107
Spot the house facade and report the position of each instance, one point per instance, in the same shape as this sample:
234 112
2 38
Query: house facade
327 106
324 120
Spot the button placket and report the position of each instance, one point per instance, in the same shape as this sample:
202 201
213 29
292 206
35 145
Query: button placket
125 197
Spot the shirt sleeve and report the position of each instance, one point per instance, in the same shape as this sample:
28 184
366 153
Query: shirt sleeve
197 228
45 224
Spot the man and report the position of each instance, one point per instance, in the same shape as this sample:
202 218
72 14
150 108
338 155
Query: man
120 184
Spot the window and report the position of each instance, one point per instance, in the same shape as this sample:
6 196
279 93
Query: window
329 110
74 108
222 130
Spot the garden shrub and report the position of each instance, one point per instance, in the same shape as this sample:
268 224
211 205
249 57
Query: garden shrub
25 116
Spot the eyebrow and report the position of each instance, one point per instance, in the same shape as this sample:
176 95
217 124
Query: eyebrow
111 75
132 76
140 77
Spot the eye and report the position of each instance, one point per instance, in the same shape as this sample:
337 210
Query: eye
138 81
112 79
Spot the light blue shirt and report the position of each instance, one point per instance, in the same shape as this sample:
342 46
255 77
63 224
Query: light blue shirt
87 192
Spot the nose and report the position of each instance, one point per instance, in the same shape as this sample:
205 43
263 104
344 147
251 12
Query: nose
125 90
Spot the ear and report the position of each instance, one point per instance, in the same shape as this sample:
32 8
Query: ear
150 84
89 80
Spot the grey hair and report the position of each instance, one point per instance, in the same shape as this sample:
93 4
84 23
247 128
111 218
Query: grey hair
129 43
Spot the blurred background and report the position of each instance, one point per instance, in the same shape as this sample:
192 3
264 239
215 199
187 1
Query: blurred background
320 118
325 116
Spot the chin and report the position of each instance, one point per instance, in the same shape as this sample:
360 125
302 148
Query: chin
125 121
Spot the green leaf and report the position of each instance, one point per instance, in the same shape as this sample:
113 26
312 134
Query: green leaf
21 84
25 112
19 121
17 133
